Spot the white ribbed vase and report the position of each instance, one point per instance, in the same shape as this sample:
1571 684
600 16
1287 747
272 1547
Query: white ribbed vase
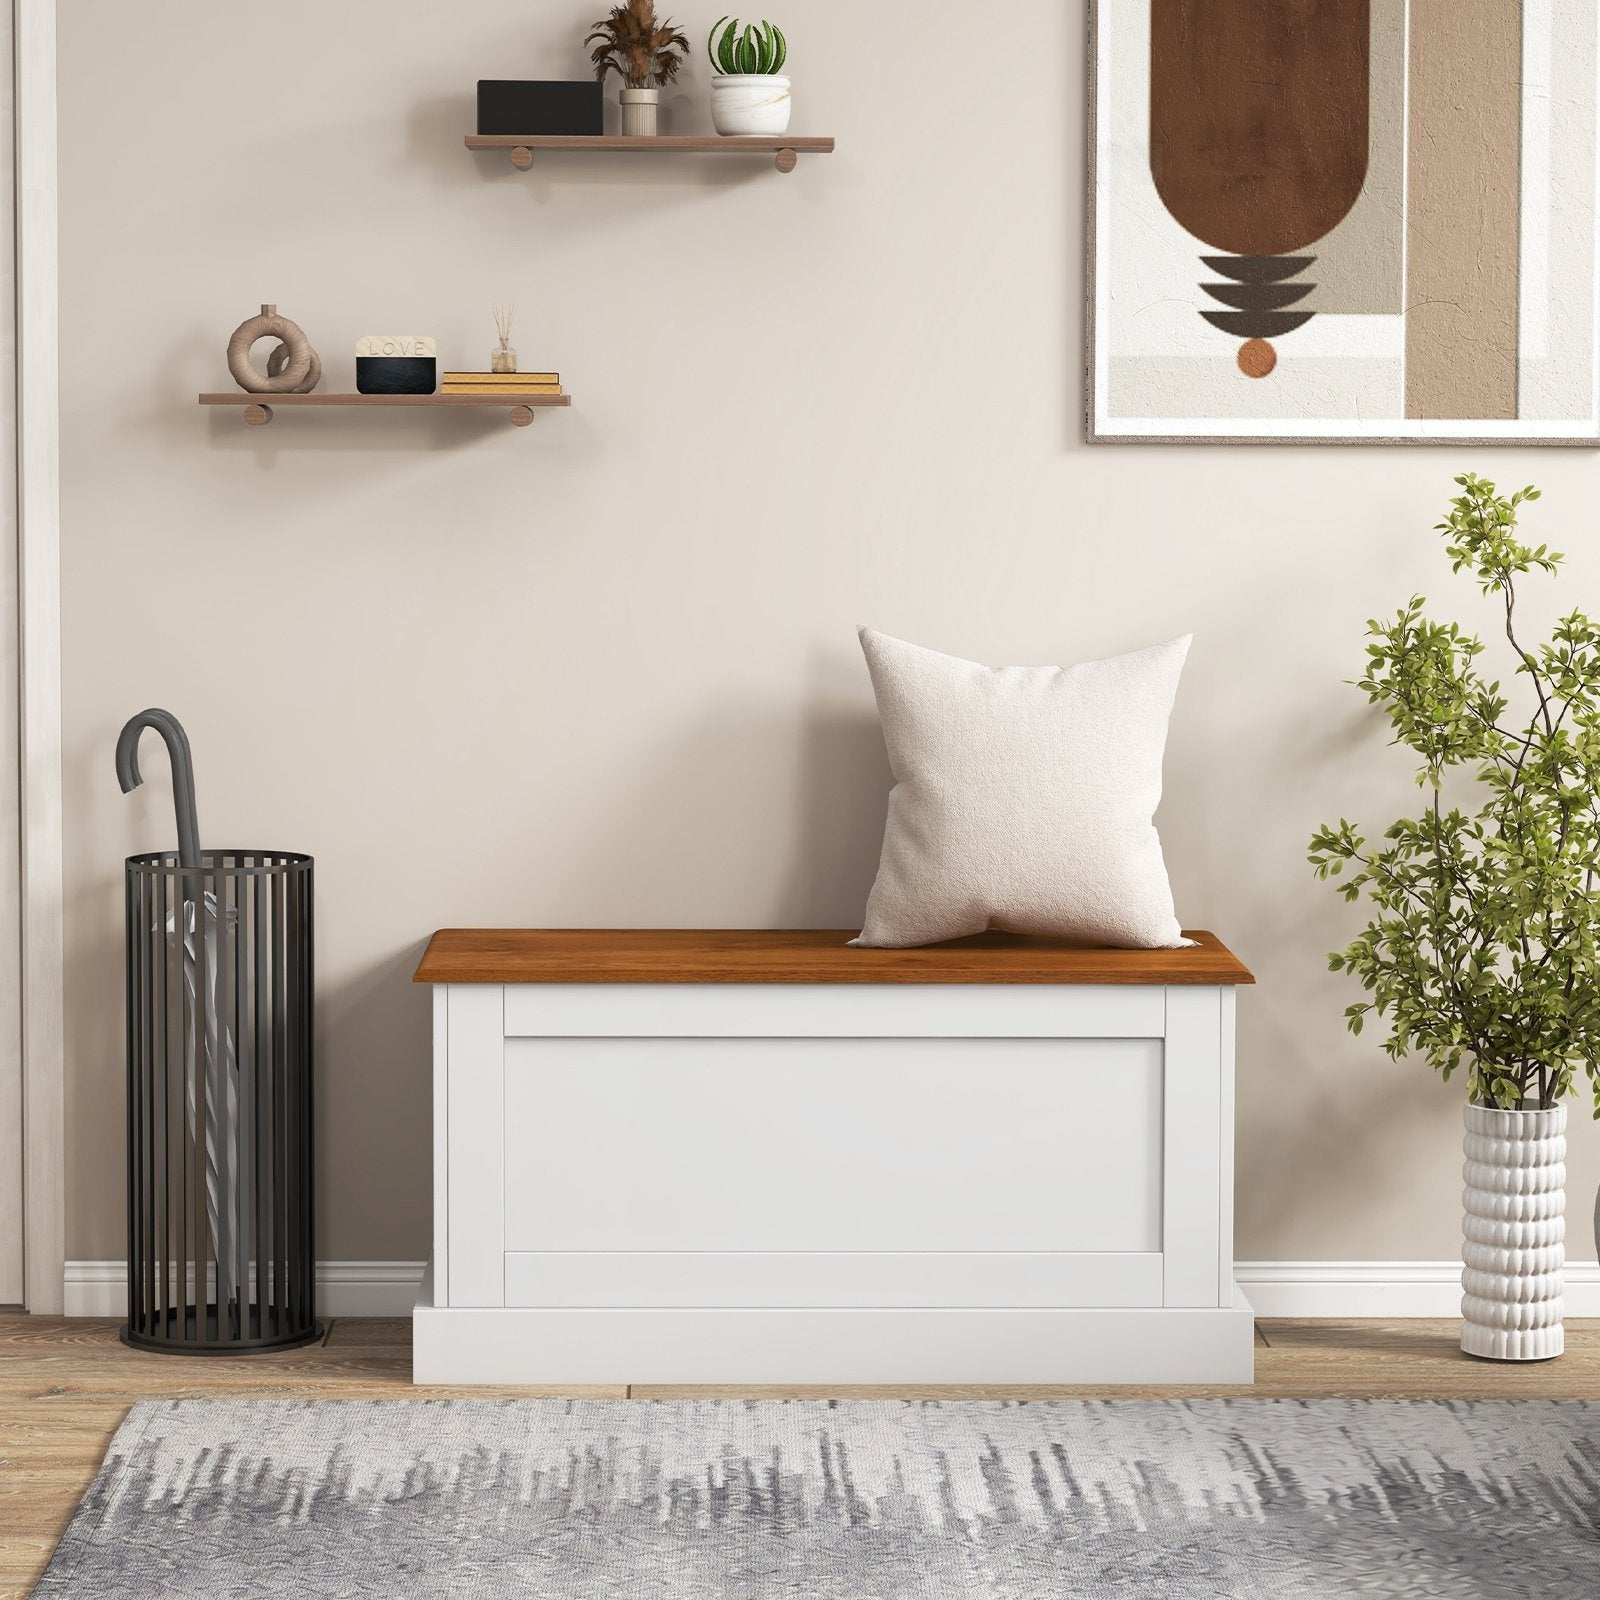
1513 1248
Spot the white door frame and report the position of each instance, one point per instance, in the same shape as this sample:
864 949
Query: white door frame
39 605
11 1213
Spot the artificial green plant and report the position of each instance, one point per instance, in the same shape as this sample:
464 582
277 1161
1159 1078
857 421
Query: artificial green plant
1484 943
760 49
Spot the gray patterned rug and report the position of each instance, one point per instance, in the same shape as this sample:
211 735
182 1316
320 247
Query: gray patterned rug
850 1500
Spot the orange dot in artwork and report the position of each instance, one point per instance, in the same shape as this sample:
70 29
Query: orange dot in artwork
1257 358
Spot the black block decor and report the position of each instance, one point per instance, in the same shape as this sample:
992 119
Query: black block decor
507 105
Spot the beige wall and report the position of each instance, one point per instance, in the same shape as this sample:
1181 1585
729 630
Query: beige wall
604 671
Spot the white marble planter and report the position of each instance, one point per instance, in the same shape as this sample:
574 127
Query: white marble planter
748 103
640 112
1513 1233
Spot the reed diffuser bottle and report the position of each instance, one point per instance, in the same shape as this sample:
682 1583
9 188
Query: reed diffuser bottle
504 358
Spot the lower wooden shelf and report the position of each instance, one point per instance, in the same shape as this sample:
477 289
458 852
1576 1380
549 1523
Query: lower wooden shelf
258 408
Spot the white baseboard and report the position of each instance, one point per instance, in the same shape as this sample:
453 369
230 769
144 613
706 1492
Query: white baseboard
1274 1288
1382 1288
344 1288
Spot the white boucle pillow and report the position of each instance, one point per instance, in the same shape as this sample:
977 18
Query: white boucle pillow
1023 798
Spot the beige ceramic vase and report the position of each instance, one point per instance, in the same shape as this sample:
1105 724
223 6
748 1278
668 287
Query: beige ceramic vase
640 112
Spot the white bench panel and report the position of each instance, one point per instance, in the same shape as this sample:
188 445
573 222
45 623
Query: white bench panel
1196 1177
441 1144
1102 1345
771 1010
885 1145
859 1278
474 1026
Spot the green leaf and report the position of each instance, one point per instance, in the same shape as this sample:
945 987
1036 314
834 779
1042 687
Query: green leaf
711 42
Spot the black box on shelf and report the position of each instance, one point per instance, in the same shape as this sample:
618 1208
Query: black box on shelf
396 374
509 105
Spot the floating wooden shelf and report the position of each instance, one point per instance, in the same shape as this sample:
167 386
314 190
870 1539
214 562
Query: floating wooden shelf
786 149
258 408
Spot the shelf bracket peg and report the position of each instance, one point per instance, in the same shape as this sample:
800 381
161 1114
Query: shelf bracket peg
786 160
258 416
521 157
521 416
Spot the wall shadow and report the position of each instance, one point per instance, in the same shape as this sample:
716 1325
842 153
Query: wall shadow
842 794
374 1101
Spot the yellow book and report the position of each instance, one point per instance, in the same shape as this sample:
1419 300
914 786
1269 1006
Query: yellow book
510 378
505 389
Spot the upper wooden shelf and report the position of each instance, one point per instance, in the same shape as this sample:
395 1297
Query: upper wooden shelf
258 408
807 955
786 149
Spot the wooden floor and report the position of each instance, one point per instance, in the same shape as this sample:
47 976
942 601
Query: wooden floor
65 1385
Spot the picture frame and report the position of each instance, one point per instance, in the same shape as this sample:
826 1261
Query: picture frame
1388 226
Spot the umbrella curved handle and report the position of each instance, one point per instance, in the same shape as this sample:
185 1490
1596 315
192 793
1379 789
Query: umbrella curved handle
177 743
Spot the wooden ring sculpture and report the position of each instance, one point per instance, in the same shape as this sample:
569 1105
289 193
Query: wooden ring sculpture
279 359
297 366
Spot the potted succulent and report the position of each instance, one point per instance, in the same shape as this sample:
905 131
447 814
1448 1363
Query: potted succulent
645 53
749 93
1483 952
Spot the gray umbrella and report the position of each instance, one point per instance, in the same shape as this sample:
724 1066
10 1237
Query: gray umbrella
199 915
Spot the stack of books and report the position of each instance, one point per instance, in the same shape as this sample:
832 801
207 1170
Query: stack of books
509 384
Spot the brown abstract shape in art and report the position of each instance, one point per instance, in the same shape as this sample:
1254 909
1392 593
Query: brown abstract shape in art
1258 117
1258 144
1257 358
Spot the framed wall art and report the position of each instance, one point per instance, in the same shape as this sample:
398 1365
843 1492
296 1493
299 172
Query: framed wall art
1343 221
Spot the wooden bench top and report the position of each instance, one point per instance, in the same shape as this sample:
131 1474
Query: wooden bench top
800 955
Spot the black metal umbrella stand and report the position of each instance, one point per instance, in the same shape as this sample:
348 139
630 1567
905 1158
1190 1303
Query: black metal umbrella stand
220 1200
221 1256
